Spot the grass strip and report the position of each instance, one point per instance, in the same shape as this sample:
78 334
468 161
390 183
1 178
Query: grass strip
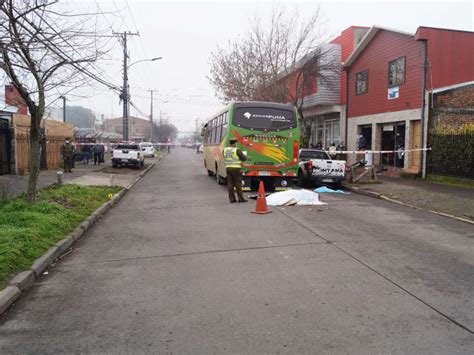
29 230
451 181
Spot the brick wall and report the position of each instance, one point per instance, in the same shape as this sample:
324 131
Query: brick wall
462 97
454 108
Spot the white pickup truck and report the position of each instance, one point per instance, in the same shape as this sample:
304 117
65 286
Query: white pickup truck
128 154
317 166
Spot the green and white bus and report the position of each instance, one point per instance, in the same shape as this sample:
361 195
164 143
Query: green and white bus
268 133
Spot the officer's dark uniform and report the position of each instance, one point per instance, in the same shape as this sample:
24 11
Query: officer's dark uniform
67 151
233 158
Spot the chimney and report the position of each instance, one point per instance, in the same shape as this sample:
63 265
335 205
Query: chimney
13 98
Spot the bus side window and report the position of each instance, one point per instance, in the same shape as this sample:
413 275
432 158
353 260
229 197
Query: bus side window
218 135
224 131
211 129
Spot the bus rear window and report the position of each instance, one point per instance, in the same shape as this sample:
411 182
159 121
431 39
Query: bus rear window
264 118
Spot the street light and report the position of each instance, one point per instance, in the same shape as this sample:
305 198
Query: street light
145 60
64 107
125 94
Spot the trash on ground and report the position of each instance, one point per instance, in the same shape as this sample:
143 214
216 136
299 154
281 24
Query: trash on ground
294 197
325 189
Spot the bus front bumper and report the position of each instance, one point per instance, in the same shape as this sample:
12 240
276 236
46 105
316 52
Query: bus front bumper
276 183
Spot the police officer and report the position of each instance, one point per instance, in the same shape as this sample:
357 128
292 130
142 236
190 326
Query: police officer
233 158
67 151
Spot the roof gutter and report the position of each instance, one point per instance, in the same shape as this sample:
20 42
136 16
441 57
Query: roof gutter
346 118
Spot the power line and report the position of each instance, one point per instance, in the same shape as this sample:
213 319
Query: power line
60 53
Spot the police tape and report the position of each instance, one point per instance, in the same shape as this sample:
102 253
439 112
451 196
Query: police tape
375 151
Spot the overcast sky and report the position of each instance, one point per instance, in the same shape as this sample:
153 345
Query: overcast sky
185 33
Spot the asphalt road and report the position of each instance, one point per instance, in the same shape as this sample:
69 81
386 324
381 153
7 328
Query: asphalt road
175 268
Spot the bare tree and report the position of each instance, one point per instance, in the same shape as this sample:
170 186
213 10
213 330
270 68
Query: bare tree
164 131
46 50
279 61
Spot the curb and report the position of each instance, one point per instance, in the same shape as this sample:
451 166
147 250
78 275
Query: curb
385 198
7 296
25 279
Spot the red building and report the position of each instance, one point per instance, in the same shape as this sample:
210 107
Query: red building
324 100
391 78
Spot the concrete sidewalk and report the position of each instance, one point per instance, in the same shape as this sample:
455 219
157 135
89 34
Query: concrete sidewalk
455 201
14 185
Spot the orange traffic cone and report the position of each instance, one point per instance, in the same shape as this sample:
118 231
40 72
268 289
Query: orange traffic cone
261 206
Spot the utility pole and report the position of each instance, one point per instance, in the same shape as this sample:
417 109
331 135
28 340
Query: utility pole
64 108
125 94
151 116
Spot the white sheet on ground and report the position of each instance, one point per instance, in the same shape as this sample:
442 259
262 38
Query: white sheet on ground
294 197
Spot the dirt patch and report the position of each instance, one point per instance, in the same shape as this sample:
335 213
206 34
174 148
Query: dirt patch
63 201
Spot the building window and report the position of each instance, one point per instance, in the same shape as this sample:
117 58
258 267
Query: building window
325 131
362 82
396 72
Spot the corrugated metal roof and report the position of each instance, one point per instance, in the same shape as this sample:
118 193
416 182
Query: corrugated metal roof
452 87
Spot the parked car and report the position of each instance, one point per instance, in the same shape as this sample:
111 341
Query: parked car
317 166
148 149
128 153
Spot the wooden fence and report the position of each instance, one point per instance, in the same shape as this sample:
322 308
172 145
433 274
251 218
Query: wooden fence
55 132
22 150
53 151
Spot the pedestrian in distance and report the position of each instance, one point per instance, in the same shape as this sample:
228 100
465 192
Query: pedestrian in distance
400 153
97 151
340 148
361 142
332 150
233 158
74 155
86 154
102 153
67 154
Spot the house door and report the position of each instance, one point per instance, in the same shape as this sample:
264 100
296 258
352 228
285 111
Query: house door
393 138
4 149
415 144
